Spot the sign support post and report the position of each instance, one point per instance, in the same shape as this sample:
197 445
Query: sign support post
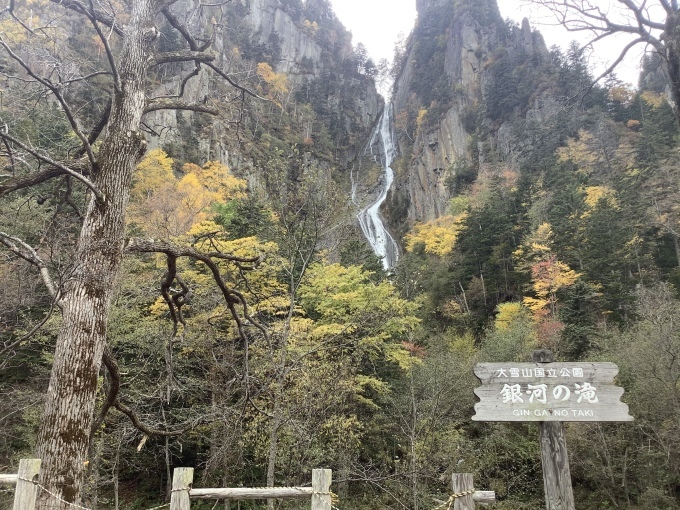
554 457
550 393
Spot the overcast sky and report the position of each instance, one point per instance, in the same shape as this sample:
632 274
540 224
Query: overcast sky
377 24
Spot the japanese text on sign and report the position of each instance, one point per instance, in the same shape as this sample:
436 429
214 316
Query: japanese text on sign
585 392
530 373
551 391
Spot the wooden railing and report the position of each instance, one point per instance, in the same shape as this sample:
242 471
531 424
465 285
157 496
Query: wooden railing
183 493
464 496
26 490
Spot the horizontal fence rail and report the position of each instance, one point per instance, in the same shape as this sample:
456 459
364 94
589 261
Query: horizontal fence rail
183 492
484 497
248 493
9 479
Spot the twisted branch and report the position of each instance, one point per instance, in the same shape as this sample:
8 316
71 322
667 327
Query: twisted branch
234 300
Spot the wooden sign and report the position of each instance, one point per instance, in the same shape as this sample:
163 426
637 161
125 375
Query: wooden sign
549 392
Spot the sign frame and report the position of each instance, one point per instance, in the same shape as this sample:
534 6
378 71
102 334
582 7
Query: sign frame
540 391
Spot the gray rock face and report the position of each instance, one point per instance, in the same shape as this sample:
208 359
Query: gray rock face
267 24
430 169
267 18
436 150
470 41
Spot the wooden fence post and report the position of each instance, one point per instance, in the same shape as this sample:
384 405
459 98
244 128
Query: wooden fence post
463 483
321 489
556 475
26 491
182 478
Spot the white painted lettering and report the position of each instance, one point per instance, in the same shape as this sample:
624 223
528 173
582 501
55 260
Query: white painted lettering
537 392
558 391
512 394
586 391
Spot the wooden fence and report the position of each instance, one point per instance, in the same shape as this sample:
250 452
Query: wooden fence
465 497
182 492
26 491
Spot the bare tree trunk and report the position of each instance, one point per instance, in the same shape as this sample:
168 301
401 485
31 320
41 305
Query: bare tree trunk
672 39
413 440
64 433
273 447
676 244
277 413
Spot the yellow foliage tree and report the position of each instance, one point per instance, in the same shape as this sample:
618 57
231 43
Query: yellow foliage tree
420 118
622 94
580 151
277 83
152 173
166 208
653 99
596 193
535 247
349 305
548 277
311 27
216 178
438 236
507 314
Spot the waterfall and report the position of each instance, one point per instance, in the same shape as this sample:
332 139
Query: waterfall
374 230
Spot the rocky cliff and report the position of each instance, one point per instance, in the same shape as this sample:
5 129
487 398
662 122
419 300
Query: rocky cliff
324 107
439 98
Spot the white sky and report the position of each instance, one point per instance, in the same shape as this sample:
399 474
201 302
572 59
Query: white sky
377 24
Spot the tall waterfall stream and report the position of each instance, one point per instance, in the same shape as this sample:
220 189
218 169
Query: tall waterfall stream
374 230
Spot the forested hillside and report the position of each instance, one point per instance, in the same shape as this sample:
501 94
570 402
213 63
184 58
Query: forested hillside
233 319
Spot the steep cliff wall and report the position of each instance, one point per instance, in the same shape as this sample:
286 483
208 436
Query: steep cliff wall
439 97
324 106
269 21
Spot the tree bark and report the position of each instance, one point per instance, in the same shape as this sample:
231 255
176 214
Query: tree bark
672 39
273 446
63 437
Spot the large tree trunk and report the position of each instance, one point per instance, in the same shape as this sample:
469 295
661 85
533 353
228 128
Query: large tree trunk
65 429
672 38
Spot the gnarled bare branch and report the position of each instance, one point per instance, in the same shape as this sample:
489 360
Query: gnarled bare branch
26 252
113 400
55 90
232 298
107 48
175 23
55 164
168 104
17 183
233 83
169 57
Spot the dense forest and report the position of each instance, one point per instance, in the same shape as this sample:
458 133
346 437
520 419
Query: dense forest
184 172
